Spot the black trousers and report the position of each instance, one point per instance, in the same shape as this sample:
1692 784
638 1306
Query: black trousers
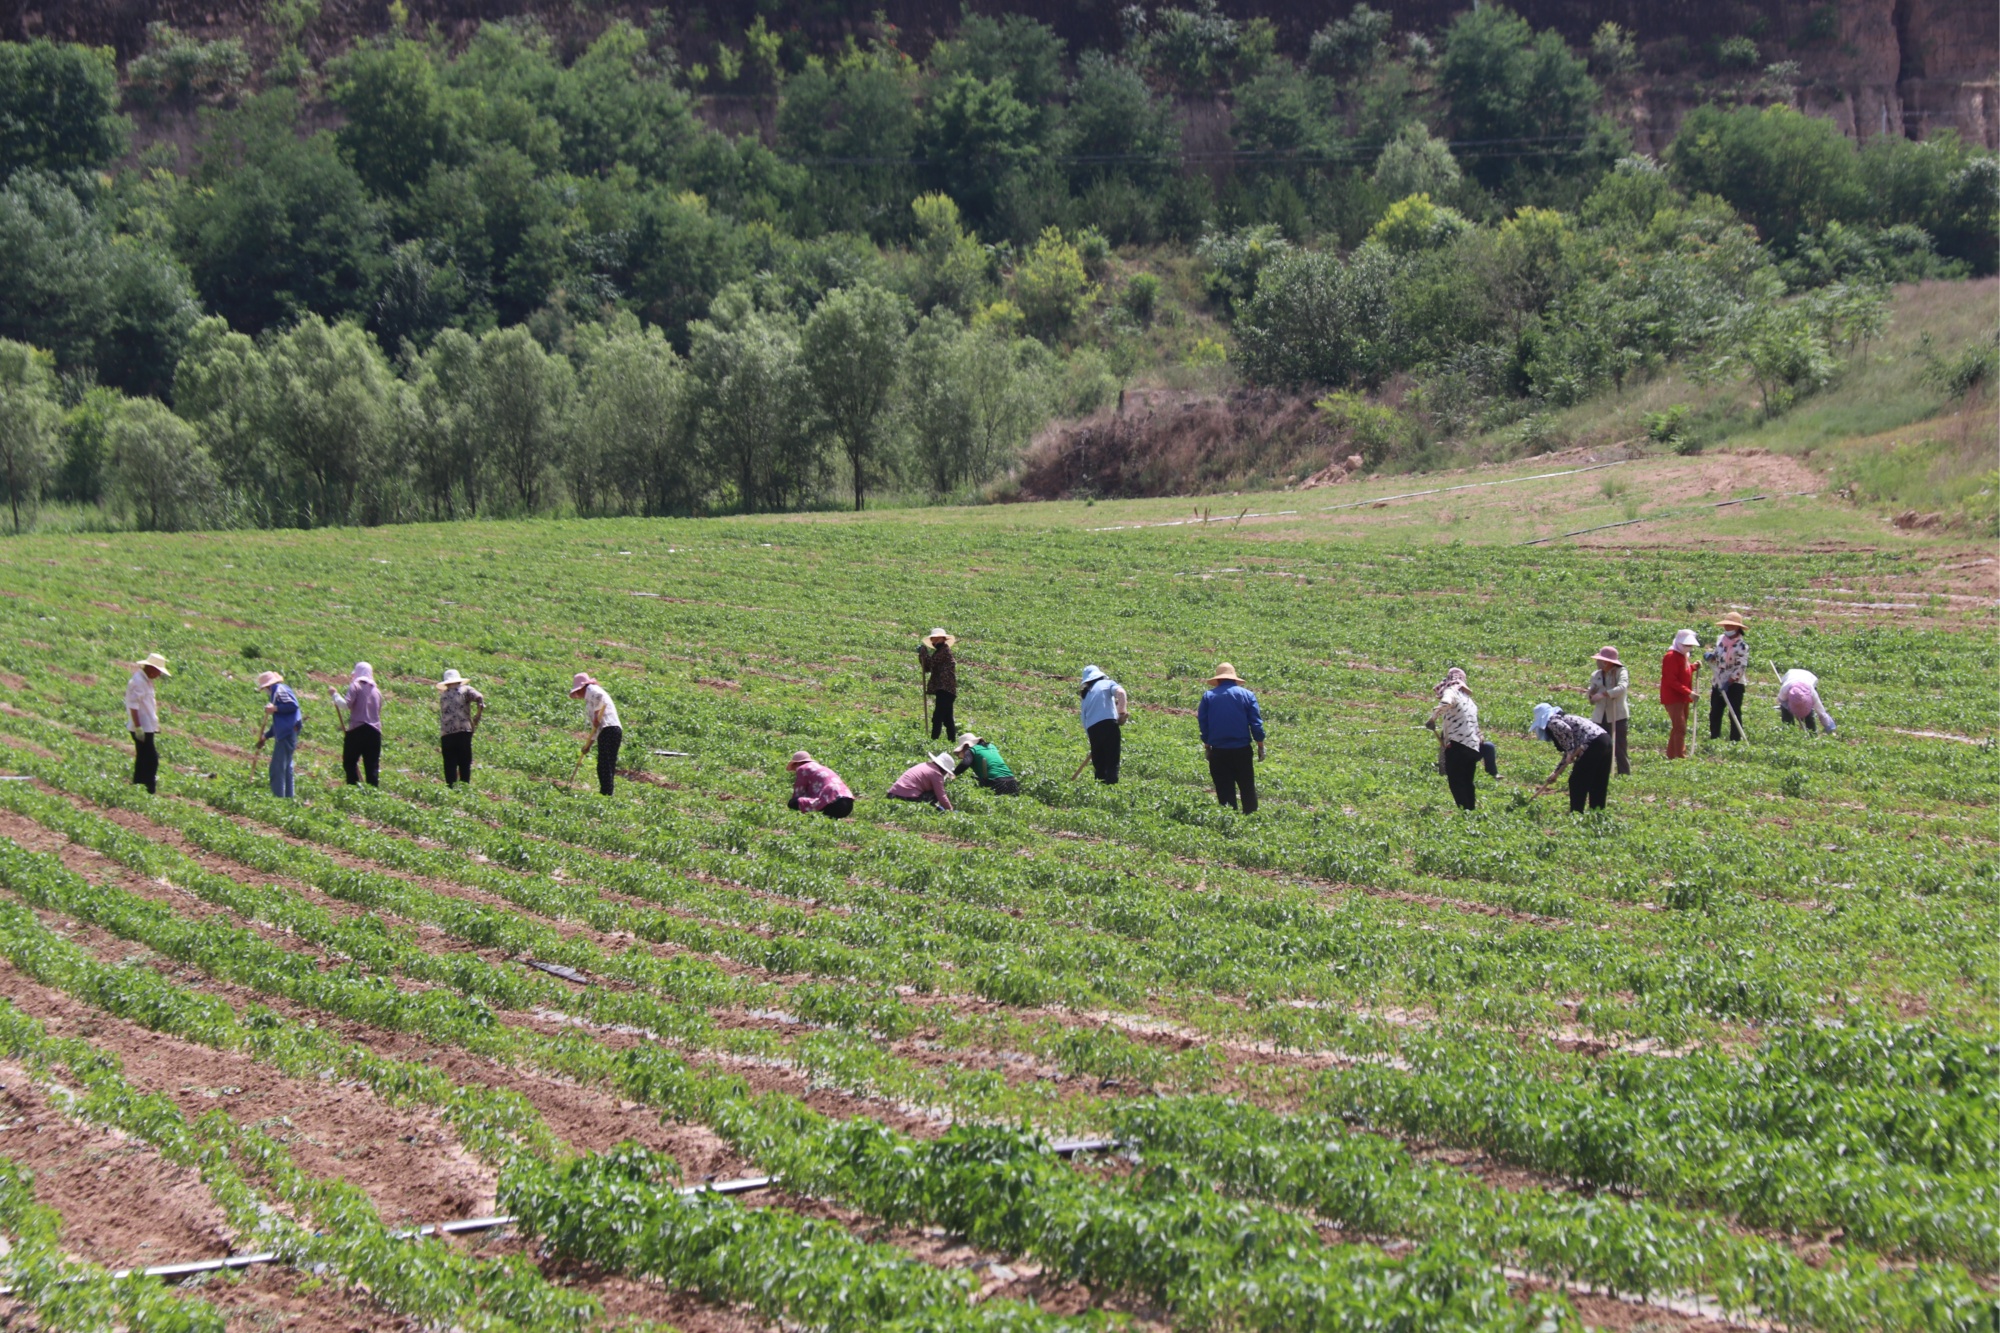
1718 710
1489 754
942 721
1461 762
1107 746
840 807
1003 786
146 760
608 741
361 749
1810 721
1231 769
457 748
1590 776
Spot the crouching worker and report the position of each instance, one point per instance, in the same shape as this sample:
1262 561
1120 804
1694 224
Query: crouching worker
924 783
818 789
1586 753
1799 701
989 770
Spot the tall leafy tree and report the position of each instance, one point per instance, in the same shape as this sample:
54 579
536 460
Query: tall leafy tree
636 414
1520 98
161 479
1784 171
755 401
27 426
853 124
853 349
331 416
399 115
58 107
521 403
973 134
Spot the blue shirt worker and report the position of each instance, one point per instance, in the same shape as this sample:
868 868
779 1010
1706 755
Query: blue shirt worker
287 719
1105 710
1230 725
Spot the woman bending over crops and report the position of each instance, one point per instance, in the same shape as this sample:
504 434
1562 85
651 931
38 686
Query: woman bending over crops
1586 753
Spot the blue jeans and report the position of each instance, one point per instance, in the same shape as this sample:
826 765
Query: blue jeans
282 750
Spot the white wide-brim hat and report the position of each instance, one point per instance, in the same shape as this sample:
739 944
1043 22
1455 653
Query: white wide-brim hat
451 678
155 661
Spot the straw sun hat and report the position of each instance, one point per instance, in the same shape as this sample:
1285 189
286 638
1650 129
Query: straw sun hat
155 661
1225 672
1731 621
939 633
266 679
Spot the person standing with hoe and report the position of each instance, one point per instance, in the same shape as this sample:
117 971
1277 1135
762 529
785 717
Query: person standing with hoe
459 709
1230 723
605 733
1586 753
940 672
287 720
1609 685
1105 711
1677 673
361 729
1456 719
142 712
1731 659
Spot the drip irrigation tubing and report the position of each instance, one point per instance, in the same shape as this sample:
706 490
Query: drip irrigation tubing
1667 514
747 1184
1369 504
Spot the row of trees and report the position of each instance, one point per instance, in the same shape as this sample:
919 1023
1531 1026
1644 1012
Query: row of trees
314 425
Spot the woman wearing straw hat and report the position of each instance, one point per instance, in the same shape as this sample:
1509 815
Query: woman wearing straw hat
1105 711
924 783
287 720
1606 691
605 733
459 709
1677 672
1230 723
361 735
940 671
1586 753
1731 659
818 789
143 712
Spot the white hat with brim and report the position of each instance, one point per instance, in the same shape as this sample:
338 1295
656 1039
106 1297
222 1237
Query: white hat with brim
1686 638
966 738
945 762
1091 673
939 633
155 661
451 678
1225 672
266 679
580 682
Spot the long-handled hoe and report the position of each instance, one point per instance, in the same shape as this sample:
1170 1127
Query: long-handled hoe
574 769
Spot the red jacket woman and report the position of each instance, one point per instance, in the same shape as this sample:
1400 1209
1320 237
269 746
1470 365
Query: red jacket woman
1677 670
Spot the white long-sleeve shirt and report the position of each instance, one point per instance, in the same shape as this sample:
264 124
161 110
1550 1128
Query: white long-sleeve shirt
139 699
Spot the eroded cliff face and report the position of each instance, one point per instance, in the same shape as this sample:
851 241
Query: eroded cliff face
1872 66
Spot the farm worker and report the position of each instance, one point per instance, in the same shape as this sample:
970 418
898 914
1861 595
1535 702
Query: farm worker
605 733
1799 702
459 709
361 741
1456 718
925 782
989 770
1230 722
287 719
940 671
815 787
1731 659
1489 754
1586 752
1105 711
1607 691
143 713
1677 672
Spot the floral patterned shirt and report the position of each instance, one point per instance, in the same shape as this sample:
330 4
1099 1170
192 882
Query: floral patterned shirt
1458 719
1571 734
942 666
455 709
1731 658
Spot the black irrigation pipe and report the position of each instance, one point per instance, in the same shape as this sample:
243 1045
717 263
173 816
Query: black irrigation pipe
1652 518
172 1273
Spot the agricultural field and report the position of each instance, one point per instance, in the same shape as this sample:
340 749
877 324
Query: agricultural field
1727 1055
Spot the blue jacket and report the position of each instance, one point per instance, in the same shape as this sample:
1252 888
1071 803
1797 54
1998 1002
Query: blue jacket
285 721
1229 718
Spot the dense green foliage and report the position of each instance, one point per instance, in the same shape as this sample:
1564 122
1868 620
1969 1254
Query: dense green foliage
949 223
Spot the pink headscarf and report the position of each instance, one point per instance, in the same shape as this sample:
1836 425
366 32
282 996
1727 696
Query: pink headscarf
1453 679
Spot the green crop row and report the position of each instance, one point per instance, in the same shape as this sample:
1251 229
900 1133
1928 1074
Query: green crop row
68 1295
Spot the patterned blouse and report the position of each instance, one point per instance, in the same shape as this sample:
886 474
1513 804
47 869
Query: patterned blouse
1458 719
942 666
455 709
1731 656
1571 734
